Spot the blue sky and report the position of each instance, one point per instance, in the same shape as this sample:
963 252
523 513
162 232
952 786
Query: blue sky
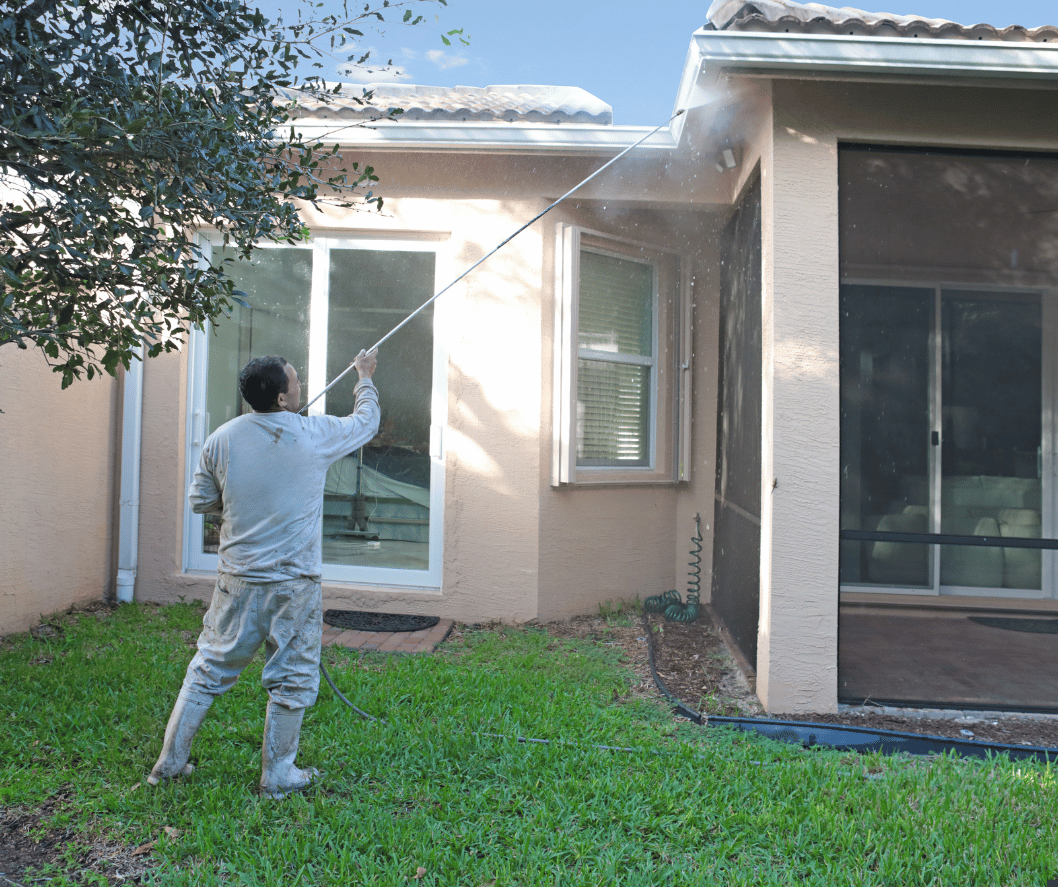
629 54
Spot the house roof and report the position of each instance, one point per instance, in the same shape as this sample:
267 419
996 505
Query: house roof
789 17
464 104
757 38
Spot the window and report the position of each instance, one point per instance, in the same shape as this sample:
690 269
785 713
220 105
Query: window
615 375
318 305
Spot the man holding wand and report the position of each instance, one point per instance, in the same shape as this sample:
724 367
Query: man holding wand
264 474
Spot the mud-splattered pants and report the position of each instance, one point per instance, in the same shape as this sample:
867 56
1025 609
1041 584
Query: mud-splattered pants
285 616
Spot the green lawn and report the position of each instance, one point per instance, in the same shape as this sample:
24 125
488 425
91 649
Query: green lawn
428 798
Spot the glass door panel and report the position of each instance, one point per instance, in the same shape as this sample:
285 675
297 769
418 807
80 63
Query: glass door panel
885 423
943 431
274 320
377 501
992 437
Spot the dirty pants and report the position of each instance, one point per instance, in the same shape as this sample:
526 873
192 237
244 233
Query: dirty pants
285 616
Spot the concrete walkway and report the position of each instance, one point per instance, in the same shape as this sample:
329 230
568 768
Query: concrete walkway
424 641
915 658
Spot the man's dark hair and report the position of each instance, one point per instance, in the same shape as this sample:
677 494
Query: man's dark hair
262 380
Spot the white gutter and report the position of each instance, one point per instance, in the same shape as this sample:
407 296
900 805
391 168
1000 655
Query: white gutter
129 506
815 54
512 138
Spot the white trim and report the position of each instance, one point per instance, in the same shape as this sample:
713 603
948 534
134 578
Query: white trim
710 54
511 138
664 379
197 420
319 320
129 507
567 271
807 54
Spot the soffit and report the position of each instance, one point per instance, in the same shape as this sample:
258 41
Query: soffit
783 38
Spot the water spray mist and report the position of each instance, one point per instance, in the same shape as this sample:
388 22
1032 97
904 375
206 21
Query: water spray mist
495 249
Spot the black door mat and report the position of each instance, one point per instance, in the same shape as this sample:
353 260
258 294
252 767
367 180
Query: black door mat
358 620
1035 626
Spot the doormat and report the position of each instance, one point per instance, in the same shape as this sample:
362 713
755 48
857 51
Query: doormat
358 620
1035 626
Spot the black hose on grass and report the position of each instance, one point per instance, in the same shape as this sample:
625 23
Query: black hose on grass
803 733
340 695
843 738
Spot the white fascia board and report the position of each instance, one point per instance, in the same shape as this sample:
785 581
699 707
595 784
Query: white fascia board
820 54
508 138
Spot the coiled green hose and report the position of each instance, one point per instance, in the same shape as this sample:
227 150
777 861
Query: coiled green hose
669 603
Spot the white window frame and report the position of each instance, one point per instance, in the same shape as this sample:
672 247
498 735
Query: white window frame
668 401
197 421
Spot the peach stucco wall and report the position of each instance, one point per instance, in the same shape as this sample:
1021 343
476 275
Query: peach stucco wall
489 326
622 543
797 637
58 449
797 655
514 548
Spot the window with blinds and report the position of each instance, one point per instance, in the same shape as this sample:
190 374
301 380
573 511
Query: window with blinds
618 310
615 356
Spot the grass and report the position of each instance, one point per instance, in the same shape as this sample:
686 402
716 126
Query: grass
429 798
622 614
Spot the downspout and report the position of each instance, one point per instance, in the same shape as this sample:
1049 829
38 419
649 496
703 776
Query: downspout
129 503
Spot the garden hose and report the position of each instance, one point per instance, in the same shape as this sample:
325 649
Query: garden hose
805 734
341 696
669 604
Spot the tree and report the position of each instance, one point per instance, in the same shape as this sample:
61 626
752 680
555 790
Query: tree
126 124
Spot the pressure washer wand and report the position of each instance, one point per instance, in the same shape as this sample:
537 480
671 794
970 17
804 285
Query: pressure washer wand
495 249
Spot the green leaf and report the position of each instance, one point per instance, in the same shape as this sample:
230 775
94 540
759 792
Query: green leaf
138 120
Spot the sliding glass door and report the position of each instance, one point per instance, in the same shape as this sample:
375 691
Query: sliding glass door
946 428
317 306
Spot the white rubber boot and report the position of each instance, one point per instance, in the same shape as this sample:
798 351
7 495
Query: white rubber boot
279 776
184 722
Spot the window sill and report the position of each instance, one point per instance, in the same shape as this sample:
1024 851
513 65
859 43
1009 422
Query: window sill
624 477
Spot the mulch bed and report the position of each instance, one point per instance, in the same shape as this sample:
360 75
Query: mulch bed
696 668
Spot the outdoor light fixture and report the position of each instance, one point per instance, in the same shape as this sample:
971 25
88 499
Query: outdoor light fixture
726 159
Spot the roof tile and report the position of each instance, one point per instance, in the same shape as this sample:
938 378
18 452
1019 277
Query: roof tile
787 16
510 104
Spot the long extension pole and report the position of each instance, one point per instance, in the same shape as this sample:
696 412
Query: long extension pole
495 249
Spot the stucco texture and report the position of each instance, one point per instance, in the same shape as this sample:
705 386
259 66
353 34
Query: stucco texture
59 452
797 638
797 659
515 548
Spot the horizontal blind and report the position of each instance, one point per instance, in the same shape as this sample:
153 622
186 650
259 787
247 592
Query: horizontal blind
616 306
613 414
616 322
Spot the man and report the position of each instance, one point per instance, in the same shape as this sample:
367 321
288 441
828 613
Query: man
264 473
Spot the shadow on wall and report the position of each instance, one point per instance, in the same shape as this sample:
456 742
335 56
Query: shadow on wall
503 518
